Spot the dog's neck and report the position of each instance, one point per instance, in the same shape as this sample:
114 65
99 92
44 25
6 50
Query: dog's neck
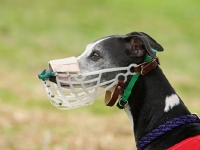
152 102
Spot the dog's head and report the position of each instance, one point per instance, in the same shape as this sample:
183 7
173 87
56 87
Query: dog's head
117 51
101 65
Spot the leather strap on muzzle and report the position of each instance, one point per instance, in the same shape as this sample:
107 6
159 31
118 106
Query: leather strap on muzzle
111 99
143 68
146 67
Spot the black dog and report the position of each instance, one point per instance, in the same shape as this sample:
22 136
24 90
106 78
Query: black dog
153 101
158 115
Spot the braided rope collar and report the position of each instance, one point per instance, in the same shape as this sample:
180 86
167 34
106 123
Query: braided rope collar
168 126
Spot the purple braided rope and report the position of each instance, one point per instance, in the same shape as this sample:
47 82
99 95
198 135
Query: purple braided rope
168 126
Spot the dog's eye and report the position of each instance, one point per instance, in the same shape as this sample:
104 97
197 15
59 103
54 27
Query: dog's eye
95 56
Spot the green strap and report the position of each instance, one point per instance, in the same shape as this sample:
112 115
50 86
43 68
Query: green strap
128 90
45 74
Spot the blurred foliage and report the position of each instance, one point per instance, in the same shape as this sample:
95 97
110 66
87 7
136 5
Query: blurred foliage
34 32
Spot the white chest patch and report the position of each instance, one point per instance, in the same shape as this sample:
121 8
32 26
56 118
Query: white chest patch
127 109
171 101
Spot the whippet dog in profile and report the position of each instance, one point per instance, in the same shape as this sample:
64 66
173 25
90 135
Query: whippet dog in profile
127 68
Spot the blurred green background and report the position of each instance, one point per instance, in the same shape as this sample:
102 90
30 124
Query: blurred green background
34 32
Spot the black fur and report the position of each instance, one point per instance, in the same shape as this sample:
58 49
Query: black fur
147 100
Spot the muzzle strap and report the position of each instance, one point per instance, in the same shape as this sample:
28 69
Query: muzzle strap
142 69
146 67
110 99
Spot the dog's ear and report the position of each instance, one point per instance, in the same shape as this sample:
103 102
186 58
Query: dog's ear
146 42
134 46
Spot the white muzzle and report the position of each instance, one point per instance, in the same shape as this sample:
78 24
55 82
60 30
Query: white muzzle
73 89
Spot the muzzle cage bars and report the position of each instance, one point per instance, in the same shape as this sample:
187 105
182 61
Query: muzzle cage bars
73 90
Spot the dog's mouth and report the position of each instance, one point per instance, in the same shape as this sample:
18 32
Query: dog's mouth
77 80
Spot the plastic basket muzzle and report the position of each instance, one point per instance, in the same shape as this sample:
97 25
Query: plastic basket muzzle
73 90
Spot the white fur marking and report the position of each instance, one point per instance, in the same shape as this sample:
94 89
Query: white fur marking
127 109
90 46
171 101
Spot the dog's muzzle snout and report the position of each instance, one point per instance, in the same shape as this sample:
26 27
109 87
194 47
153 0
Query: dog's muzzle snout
72 89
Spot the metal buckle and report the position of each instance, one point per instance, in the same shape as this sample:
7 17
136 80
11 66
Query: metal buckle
122 103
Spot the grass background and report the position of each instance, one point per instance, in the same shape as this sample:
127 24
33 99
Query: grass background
34 32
